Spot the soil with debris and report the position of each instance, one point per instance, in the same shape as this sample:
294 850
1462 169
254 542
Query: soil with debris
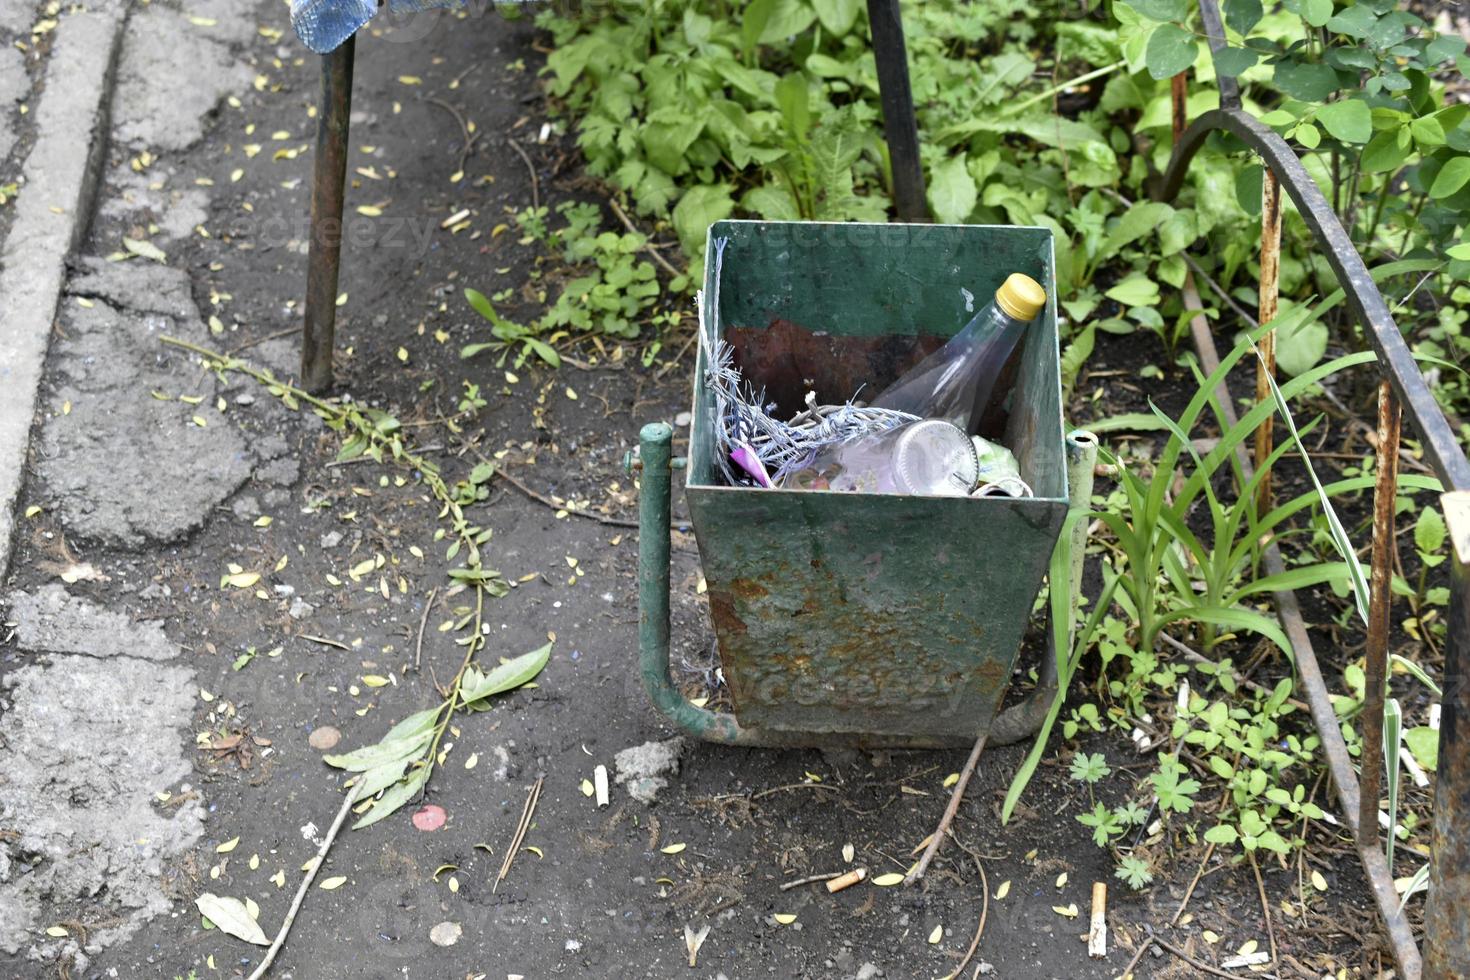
172 726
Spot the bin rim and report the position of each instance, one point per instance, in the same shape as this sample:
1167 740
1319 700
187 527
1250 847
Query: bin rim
702 354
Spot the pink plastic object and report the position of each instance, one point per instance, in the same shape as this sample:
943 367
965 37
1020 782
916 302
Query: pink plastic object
745 458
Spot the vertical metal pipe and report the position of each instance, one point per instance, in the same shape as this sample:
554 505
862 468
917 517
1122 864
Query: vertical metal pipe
328 187
900 125
1270 290
655 493
1446 921
1375 671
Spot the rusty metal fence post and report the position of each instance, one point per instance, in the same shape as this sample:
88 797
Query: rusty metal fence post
1269 294
1447 916
1375 670
900 124
329 177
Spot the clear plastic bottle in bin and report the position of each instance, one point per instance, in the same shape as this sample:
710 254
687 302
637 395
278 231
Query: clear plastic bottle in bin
955 382
926 457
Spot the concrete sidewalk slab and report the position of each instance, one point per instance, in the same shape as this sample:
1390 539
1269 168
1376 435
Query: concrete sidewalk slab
51 216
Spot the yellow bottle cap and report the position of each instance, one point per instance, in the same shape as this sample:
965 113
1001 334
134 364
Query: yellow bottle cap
1020 297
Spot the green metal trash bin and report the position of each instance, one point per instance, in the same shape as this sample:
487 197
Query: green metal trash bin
865 618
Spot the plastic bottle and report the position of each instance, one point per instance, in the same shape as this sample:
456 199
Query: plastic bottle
926 457
955 382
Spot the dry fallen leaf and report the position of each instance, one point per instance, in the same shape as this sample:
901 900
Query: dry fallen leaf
231 917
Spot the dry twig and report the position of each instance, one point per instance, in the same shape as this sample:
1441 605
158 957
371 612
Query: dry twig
628 224
811 880
520 835
531 169
984 911
321 858
418 647
949 811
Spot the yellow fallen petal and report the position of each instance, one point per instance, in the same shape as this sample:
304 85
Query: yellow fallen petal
587 788
227 846
331 883
936 935
672 849
888 880
785 918
1070 911
1003 890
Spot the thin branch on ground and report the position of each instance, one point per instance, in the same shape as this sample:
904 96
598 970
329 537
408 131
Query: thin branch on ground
527 812
418 647
1196 657
503 473
1143 947
467 139
984 909
811 880
1189 892
321 858
531 169
1169 947
261 340
1265 910
648 247
949 811
679 356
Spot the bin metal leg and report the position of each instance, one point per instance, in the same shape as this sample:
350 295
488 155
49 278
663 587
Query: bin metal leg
900 126
328 187
1446 925
655 442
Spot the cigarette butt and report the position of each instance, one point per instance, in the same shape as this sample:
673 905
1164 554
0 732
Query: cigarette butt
1097 933
599 782
848 880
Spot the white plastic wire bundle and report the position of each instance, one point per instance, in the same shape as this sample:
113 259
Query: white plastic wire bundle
743 417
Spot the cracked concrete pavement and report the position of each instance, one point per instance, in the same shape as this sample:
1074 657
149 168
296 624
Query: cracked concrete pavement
92 701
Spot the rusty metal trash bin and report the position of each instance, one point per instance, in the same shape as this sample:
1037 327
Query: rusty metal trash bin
849 618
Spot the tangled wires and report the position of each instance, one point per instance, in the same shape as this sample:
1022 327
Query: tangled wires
743 422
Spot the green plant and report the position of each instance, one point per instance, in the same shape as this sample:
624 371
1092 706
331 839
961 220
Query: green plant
400 765
508 336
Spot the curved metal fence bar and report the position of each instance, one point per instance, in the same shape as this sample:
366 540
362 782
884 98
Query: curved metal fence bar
1442 450
1403 388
